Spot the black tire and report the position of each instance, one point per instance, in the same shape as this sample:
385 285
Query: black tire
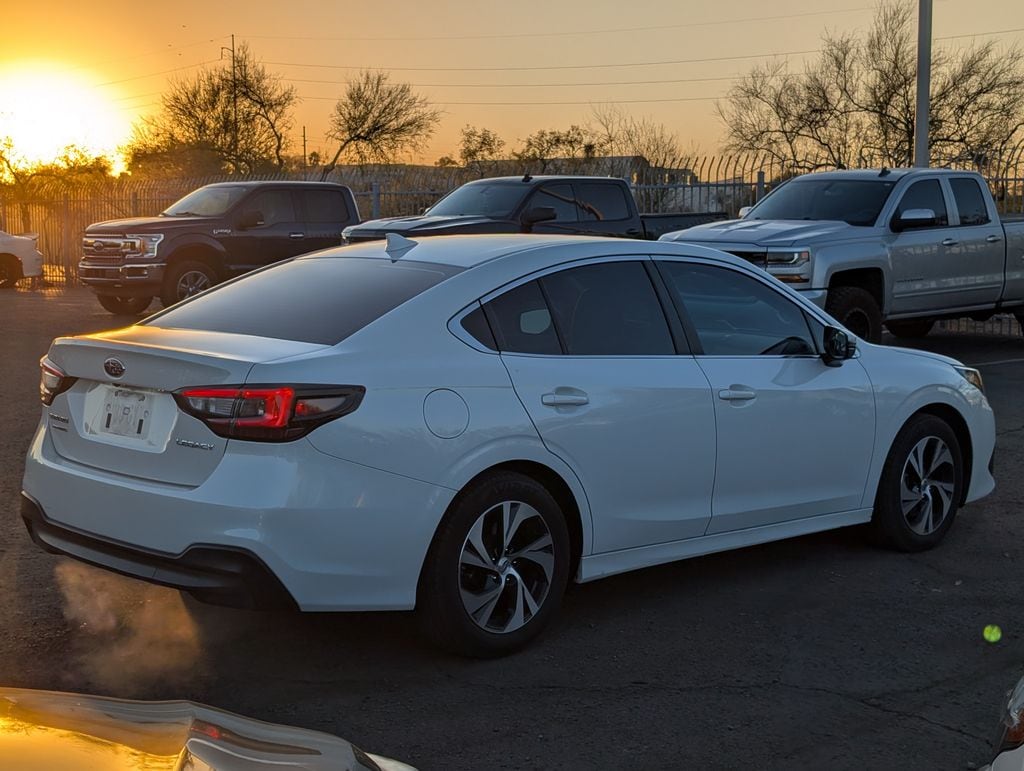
897 529
10 271
124 306
856 310
910 328
184 279
449 568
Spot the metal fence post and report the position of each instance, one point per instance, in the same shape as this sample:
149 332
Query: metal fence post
66 253
375 200
135 203
759 194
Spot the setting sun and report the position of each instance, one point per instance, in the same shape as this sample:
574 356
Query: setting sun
44 112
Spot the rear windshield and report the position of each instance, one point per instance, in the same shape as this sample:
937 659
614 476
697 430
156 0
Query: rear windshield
312 300
856 202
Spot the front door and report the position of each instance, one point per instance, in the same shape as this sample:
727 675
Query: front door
592 359
795 436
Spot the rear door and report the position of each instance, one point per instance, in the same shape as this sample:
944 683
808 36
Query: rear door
325 214
794 436
979 255
593 359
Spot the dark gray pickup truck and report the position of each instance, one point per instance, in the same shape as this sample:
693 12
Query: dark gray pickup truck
213 233
591 206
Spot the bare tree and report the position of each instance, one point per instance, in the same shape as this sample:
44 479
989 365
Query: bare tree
650 152
479 149
574 144
235 117
375 120
855 104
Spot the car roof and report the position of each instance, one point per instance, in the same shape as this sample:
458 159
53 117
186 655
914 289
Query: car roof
469 251
276 183
541 178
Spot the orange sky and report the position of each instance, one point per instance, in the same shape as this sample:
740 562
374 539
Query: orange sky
460 54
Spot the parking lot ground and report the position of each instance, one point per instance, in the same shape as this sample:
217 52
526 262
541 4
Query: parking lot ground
818 652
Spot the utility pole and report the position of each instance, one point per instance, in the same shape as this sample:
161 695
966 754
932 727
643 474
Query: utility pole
304 148
234 101
922 156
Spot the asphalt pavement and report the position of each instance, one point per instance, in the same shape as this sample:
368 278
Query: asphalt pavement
818 652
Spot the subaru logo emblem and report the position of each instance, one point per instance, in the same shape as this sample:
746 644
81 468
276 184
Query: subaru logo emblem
113 367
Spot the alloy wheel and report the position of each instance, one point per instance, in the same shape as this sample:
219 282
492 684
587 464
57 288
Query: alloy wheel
192 282
927 485
506 567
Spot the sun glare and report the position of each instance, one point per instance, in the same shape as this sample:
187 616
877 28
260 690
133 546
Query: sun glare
43 113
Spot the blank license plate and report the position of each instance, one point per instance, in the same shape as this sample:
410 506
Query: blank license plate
126 413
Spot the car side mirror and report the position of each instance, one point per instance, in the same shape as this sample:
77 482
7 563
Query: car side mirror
839 346
250 219
744 211
537 214
913 218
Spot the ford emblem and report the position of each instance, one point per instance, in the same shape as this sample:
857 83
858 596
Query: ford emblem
113 367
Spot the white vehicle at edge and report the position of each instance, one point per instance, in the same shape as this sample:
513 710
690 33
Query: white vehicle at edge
19 258
463 425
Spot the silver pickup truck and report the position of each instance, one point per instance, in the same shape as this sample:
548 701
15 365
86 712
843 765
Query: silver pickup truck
895 247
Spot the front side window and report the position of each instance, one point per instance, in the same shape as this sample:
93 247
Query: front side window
274 206
521 321
970 201
736 315
602 201
608 309
559 197
926 194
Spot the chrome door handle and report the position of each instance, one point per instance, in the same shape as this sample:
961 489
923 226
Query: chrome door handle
994 239
564 400
949 242
296 235
736 395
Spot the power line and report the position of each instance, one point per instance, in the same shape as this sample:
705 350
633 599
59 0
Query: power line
532 85
154 74
980 34
540 104
553 67
153 52
573 33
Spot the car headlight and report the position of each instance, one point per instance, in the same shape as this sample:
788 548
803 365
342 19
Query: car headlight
787 257
146 245
789 265
972 376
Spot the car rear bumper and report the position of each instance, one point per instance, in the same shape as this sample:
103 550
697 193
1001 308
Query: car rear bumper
282 520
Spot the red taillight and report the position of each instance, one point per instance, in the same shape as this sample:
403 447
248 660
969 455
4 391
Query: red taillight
268 413
52 381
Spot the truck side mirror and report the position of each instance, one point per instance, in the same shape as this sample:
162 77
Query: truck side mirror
744 211
839 346
250 219
537 214
913 218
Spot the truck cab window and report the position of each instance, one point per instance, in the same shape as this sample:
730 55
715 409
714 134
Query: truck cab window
970 202
560 197
926 194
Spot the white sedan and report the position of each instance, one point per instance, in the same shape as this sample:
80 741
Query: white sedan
465 424
19 258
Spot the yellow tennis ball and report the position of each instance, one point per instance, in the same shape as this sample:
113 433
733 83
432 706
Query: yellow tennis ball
992 633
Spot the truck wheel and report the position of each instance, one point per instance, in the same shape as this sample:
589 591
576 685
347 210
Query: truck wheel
184 279
9 273
496 572
856 310
124 306
910 328
920 488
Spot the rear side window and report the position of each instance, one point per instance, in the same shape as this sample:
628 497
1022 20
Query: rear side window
970 201
608 309
325 206
321 300
602 201
521 321
926 194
